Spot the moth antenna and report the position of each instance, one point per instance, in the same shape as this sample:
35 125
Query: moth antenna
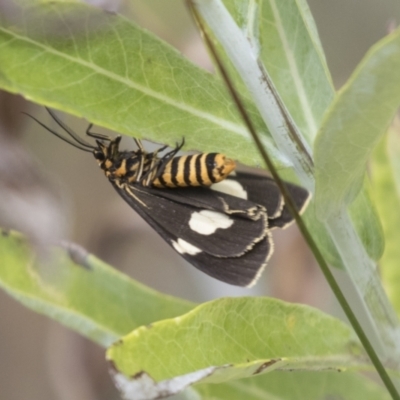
59 135
70 132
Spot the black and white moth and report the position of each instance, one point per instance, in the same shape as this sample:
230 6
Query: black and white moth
216 218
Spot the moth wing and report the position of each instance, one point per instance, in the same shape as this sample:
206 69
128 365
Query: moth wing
205 198
239 271
213 232
263 190
301 198
258 189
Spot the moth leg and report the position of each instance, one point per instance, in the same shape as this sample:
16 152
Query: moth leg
147 177
163 161
96 135
139 145
158 164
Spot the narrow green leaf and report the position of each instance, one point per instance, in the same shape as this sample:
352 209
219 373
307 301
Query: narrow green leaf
285 35
244 56
94 299
238 337
354 124
102 66
367 224
291 51
386 189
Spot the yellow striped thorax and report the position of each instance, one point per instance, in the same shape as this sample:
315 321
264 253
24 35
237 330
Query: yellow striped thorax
167 171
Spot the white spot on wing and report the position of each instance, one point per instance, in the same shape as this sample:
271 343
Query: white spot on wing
230 186
182 247
207 222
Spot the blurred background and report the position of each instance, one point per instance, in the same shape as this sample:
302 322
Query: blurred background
39 359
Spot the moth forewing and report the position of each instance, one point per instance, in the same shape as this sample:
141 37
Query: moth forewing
210 230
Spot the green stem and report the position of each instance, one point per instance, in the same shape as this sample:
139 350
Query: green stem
363 273
292 208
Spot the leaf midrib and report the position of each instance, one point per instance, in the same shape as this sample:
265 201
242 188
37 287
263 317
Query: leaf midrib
149 92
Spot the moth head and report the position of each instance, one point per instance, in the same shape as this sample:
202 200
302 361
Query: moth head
107 153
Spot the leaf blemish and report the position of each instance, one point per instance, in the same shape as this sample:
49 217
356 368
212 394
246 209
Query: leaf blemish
265 365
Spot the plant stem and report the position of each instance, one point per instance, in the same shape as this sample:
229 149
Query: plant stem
282 127
292 208
383 320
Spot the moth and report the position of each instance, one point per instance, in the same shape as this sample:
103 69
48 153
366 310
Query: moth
218 219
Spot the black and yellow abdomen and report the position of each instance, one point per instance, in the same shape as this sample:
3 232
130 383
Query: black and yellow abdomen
166 171
194 170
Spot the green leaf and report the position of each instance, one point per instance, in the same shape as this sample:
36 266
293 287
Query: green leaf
291 51
234 338
367 224
297 385
93 299
386 190
288 42
102 66
364 217
103 304
354 124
